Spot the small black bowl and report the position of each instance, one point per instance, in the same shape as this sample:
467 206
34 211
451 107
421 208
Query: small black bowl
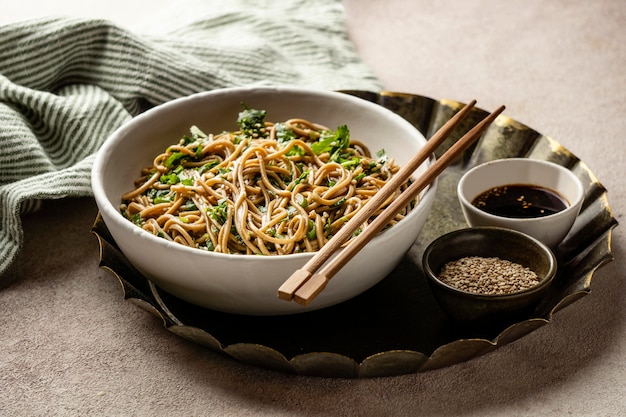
484 313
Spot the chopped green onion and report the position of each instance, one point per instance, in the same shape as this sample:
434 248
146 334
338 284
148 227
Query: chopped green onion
170 179
219 212
136 219
174 158
311 231
301 200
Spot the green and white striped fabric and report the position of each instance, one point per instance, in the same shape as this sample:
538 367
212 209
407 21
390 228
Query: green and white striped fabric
66 84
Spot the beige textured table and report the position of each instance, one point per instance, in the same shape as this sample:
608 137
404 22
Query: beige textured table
70 345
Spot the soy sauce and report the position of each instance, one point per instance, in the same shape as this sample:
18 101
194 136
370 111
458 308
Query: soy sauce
520 201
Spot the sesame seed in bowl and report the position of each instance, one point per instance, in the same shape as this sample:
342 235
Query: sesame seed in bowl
487 278
490 276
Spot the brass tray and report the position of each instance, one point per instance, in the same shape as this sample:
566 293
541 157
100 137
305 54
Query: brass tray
396 327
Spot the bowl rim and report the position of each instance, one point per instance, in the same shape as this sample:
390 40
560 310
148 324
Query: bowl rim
574 206
109 210
434 277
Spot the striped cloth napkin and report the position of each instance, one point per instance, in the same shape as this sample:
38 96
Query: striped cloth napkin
67 83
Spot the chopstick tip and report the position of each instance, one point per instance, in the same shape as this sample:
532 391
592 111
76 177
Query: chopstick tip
310 289
293 283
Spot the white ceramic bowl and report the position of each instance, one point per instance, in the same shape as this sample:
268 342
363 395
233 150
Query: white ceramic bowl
549 229
247 284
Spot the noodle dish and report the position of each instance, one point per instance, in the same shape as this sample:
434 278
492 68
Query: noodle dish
218 197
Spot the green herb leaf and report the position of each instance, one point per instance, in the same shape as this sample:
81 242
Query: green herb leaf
382 157
359 177
209 245
186 140
136 219
189 205
283 133
251 121
196 133
160 196
301 178
301 200
174 158
224 171
351 163
207 167
170 179
311 231
333 142
220 212
296 151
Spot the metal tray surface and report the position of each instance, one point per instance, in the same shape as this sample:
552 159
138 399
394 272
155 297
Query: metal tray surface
395 327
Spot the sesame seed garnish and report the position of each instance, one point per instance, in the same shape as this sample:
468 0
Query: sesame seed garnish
489 276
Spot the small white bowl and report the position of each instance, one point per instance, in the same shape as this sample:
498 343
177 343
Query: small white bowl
550 229
248 284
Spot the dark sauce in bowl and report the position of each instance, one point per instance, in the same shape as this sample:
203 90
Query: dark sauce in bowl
520 201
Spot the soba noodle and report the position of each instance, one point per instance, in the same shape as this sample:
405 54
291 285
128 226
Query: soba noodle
268 188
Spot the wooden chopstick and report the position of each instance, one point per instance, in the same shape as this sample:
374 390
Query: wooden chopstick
313 286
288 289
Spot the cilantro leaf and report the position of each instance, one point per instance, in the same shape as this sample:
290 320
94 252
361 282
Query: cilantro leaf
189 205
284 134
220 212
197 133
207 167
301 178
136 219
333 142
251 121
160 196
382 156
